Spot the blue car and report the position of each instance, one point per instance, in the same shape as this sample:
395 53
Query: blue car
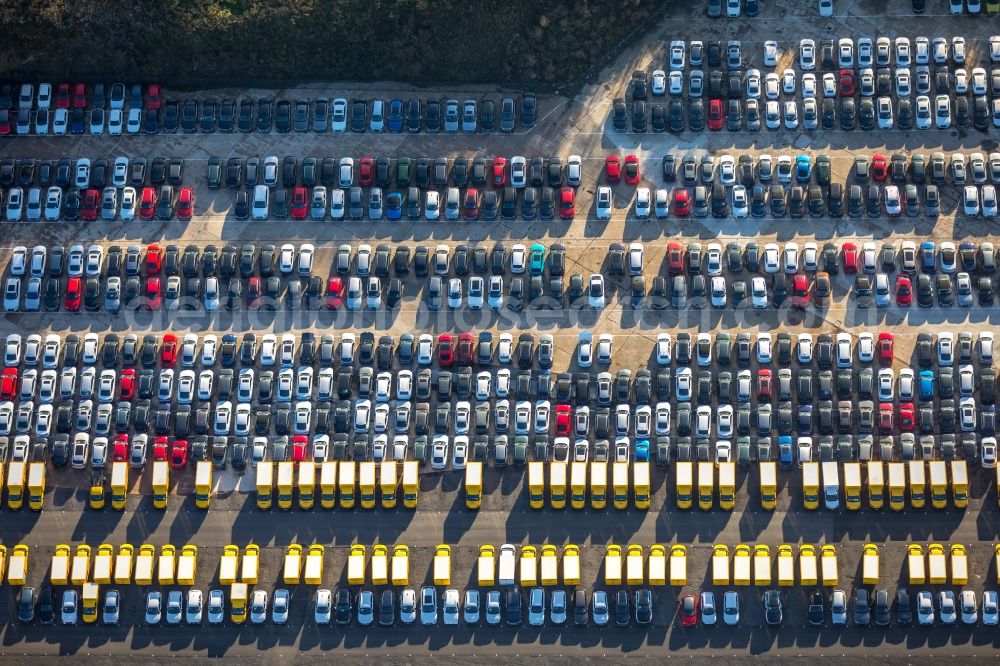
394 121
928 256
77 122
786 452
642 450
394 206
926 385
803 170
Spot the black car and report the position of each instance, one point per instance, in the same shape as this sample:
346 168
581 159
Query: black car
619 115
387 608
359 115
623 615
264 119
512 610
26 604
904 609
644 606
342 606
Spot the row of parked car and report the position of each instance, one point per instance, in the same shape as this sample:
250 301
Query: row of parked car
78 114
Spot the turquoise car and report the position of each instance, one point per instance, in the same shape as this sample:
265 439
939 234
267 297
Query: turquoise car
536 260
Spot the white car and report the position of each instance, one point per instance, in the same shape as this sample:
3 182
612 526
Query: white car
604 203
664 347
942 111
642 202
659 82
770 53
677 54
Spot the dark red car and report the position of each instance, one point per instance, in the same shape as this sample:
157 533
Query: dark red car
366 171
74 289
446 350
153 98
470 205
80 96
764 384
5 123
153 294
254 292
880 167
499 171
300 203
632 175
613 169
800 291
62 96
885 418
168 351
126 385
846 83
463 355
154 259
185 203
715 114
884 349
567 203
91 204
904 291
675 258
179 454
334 292
682 202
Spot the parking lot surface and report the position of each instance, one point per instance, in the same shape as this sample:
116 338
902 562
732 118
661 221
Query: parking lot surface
577 124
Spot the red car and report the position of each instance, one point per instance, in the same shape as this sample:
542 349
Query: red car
880 167
91 204
567 203
80 96
300 448
147 205
154 259
884 349
153 293
153 99
715 115
904 291
334 292
300 203
613 169
74 288
907 422
675 258
846 83
5 124
160 448
563 417
168 351
850 258
254 293
800 291
179 454
119 452
470 205
185 203
8 384
62 96
446 350
499 171
463 355
689 610
885 418
764 384
682 202
366 171
126 385
632 174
